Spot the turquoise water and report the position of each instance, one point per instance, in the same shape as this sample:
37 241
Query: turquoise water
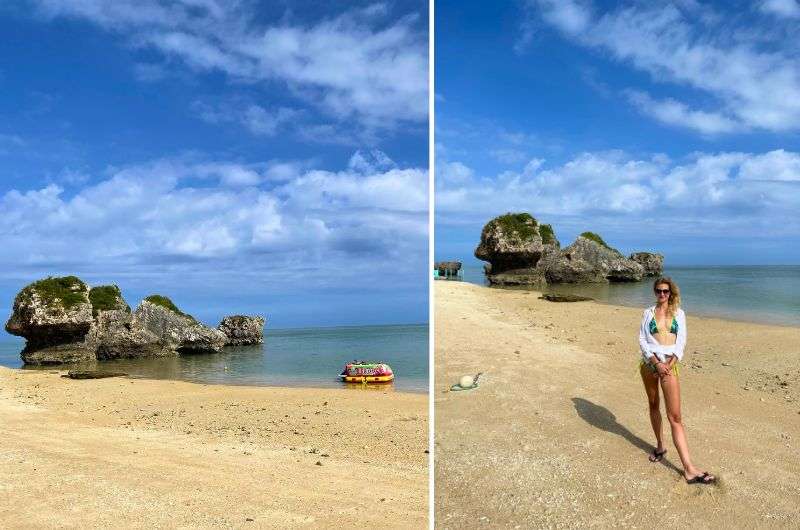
309 357
769 294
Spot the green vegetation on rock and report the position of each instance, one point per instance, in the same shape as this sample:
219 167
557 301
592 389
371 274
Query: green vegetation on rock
165 302
597 239
104 298
68 291
524 225
548 236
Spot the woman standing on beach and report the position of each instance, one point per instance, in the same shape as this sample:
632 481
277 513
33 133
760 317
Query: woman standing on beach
662 338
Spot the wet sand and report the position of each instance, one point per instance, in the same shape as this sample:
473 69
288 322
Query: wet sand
557 434
137 453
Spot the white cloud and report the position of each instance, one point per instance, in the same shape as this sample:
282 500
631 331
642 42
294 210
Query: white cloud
157 215
776 165
352 66
507 156
753 86
229 174
672 112
781 8
370 161
570 16
712 192
255 118
453 173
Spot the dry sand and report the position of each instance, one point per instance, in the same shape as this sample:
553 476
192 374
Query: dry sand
133 453
557 433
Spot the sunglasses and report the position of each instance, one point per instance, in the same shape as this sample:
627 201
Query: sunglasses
662 291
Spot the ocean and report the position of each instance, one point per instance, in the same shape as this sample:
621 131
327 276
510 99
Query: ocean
302 357
767 294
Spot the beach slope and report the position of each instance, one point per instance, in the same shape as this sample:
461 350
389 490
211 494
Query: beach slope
133 453
557 434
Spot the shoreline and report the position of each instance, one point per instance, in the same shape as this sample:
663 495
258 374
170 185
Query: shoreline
63 369
285 360
697 314
557 432
147 452
537 289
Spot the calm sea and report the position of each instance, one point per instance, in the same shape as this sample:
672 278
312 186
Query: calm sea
308 357
769 294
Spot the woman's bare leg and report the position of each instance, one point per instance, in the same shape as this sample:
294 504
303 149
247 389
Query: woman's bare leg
650 381
671 387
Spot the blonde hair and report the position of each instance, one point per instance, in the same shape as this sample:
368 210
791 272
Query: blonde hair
674 293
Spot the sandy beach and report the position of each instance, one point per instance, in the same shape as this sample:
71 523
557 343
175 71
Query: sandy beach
135 453
557 434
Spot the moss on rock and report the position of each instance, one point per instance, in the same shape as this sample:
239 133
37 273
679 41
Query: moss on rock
547 234
68 291
591 236
106 298
165 302
523 225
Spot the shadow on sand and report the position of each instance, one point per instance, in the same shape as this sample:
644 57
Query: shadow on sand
602 418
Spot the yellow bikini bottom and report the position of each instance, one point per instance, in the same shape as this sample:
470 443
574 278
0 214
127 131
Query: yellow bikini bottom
652 368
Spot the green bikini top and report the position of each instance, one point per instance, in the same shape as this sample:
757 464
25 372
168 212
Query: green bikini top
672 329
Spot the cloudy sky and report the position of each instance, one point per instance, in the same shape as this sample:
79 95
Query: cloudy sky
262 157
668 126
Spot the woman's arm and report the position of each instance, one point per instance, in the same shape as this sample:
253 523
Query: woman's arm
680 341
643 331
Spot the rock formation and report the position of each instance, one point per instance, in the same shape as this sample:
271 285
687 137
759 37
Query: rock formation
551 297
177 330
588 260
653 264
240 330
63 321
54 315
116 333
514 244
521 251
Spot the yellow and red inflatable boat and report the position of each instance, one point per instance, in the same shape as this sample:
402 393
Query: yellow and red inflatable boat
367 372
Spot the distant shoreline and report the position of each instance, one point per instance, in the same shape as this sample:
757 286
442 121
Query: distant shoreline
771 318
384 389
309 358
698 314
7 337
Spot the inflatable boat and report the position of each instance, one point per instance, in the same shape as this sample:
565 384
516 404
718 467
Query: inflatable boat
367 372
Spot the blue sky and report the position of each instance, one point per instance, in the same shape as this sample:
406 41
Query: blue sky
666 126
238 156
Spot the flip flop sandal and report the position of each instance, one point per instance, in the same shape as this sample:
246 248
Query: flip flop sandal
701 479
657 456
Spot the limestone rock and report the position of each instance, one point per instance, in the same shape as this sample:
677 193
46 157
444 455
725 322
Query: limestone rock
176 330
54 315
63 321
116 333
511 277
513 244
551 297
92 374
653 264
588 260
242 329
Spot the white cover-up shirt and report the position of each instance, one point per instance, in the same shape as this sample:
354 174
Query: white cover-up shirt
650 346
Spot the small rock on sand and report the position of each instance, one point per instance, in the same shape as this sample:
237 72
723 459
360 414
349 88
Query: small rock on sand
92 374
564 298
